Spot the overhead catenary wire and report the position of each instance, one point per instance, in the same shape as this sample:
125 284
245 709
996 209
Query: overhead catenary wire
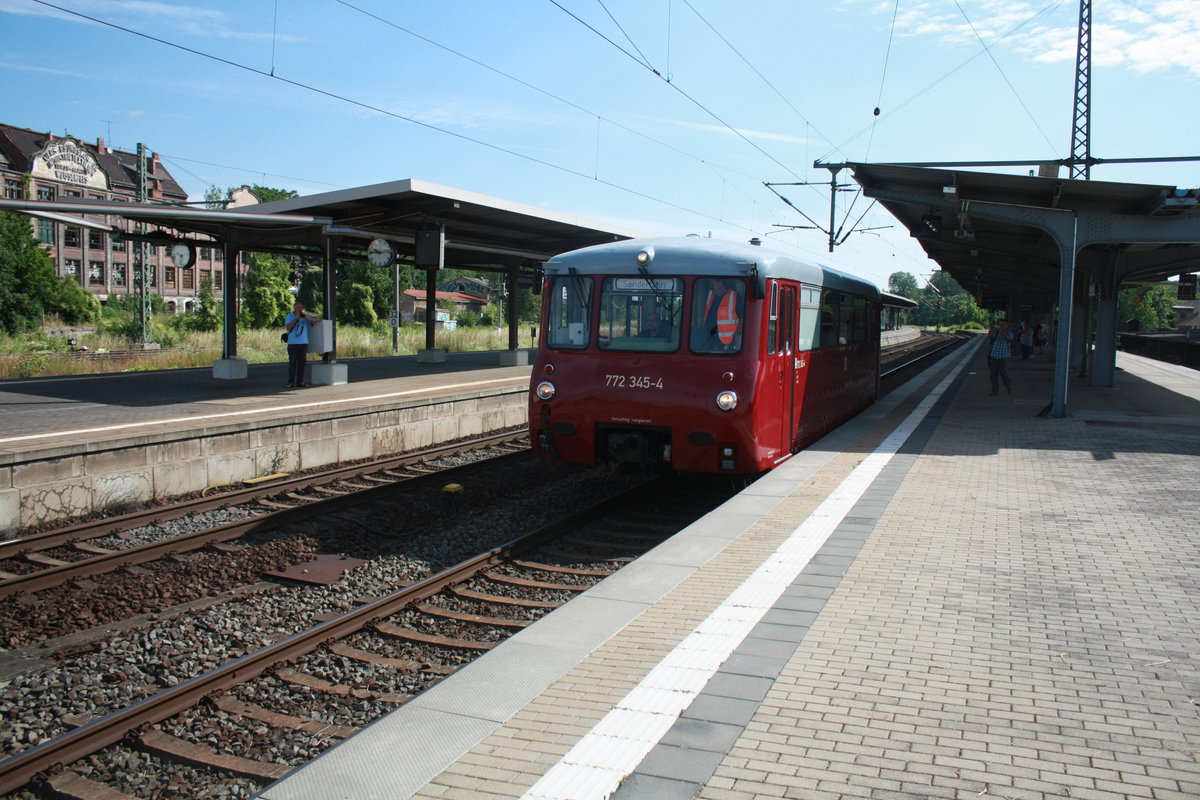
713 166
887 56
369 107
987 49
1043 12
676 87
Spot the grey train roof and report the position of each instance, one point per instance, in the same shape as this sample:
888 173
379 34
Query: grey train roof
694 255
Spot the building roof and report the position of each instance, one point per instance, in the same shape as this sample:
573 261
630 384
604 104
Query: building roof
454 297
21 146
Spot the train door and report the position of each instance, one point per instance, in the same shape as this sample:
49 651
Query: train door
780 354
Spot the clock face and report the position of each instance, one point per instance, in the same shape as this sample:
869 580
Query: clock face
181 255
380 252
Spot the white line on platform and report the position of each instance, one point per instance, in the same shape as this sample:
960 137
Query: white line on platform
595 767
245 412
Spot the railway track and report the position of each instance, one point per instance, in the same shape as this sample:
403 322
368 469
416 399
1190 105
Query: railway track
405 639
51 558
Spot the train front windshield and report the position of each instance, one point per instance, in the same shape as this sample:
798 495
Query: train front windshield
637 314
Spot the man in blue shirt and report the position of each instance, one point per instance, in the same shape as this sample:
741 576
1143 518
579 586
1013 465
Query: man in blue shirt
1000 349
297 324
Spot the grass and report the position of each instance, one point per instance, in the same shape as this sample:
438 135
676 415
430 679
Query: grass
46 353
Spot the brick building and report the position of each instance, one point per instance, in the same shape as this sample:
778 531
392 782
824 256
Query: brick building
35 165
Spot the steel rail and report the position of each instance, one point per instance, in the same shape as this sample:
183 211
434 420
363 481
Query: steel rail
98 565
928 353
24 767
13 548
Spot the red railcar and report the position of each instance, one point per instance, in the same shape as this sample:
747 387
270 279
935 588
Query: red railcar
703 355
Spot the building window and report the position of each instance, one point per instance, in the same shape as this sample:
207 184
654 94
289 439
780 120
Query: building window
95 273
71 193
189 279
70 237
13 189
151 276
45 231
218 255
169 277
217 279
96 240
205 275
71 269
45 192
118 245
206 254
118 274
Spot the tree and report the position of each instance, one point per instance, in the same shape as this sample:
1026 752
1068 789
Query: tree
75 304
28 286
26 274
355 306
1148 306
267 298
208 315
904 284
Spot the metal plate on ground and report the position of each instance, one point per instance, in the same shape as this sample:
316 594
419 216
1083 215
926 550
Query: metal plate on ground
324 570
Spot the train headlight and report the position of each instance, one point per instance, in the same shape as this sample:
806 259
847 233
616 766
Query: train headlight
545 390
727 400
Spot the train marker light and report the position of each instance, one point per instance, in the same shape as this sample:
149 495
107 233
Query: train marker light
643 258
727 400
548 369
545 390
727 377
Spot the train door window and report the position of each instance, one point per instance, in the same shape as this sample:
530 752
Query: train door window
773 319
718 308
810 315
787 321
570 312
640 314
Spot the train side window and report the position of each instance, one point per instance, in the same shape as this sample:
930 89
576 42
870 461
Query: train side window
810 315
718 308
637 314
861 325
831 319
570 300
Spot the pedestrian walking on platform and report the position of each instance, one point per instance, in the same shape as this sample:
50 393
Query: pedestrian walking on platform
1000 349
297 324
1040 335
1026 339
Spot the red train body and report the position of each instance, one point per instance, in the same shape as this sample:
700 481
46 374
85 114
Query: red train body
702 355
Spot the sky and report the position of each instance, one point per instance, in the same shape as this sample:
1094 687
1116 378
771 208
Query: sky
658 116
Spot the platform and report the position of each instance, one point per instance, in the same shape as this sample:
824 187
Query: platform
77 445
950 596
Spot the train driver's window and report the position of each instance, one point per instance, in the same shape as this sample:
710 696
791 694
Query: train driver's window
640 314
718 308
570 312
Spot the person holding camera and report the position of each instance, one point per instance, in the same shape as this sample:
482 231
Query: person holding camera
297 324
1000 349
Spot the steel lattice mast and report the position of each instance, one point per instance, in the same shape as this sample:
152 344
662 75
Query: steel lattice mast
1081 146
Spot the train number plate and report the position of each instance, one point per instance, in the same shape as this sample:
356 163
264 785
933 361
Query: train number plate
633 382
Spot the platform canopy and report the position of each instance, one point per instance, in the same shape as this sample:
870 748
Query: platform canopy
946 211
1042 244
480 230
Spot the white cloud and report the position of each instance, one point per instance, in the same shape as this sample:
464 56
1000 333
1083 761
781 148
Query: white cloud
1144 38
